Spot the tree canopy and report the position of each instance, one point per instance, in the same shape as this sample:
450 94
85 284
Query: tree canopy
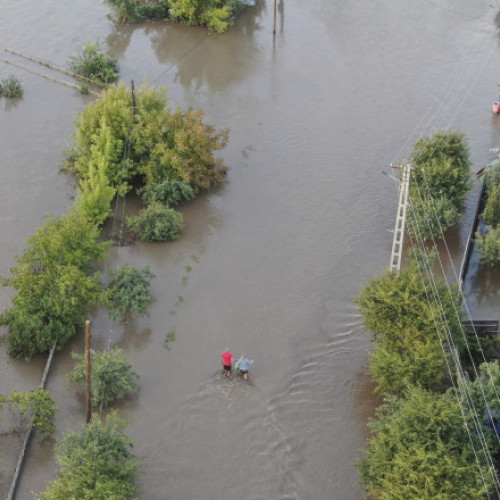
440 182
112 376
215 14
421 450
96 464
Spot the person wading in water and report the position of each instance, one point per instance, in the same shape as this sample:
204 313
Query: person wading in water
227 361
243 364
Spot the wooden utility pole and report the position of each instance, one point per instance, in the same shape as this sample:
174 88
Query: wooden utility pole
274 25
88 378
133 93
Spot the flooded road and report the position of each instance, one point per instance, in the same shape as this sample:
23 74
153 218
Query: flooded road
269 264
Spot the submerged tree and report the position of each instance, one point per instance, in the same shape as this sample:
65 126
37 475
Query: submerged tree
54 285
128 291
440 182
112 376
215 14
96 464
167 156
36 409
413 321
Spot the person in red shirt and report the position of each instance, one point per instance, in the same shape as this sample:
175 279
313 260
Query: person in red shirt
227 361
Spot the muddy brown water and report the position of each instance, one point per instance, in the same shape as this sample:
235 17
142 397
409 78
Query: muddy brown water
269 264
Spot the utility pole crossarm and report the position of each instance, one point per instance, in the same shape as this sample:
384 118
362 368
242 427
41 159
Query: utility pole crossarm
399 228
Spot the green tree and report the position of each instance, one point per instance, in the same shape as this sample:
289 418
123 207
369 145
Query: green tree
138 11
429 218
157 223
36 409
213 13
128 291
480 395
442 165
488 245
112 376
70 240
407 361
167 156
97 464
440 181
394 303
491 213
48 308
420 450
54 284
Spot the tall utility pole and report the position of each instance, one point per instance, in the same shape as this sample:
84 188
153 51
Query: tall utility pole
399 228
88 377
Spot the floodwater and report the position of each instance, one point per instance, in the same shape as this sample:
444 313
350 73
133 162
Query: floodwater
269 264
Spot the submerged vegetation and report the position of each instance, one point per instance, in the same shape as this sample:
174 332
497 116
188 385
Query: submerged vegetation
11 87
125 143
215 14
112 376
92 63
128 292
35 408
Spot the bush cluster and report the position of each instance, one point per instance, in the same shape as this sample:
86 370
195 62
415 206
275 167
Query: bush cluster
215 14
92 63
165 155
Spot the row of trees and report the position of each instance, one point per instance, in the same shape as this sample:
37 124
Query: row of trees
123 142
215 14
435 434
424 442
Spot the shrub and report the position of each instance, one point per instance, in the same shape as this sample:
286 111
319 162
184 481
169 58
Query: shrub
128 291
91 62
11 87
157 223
168 192
112 376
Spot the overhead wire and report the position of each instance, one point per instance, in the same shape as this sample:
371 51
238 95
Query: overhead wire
459 370
478 429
